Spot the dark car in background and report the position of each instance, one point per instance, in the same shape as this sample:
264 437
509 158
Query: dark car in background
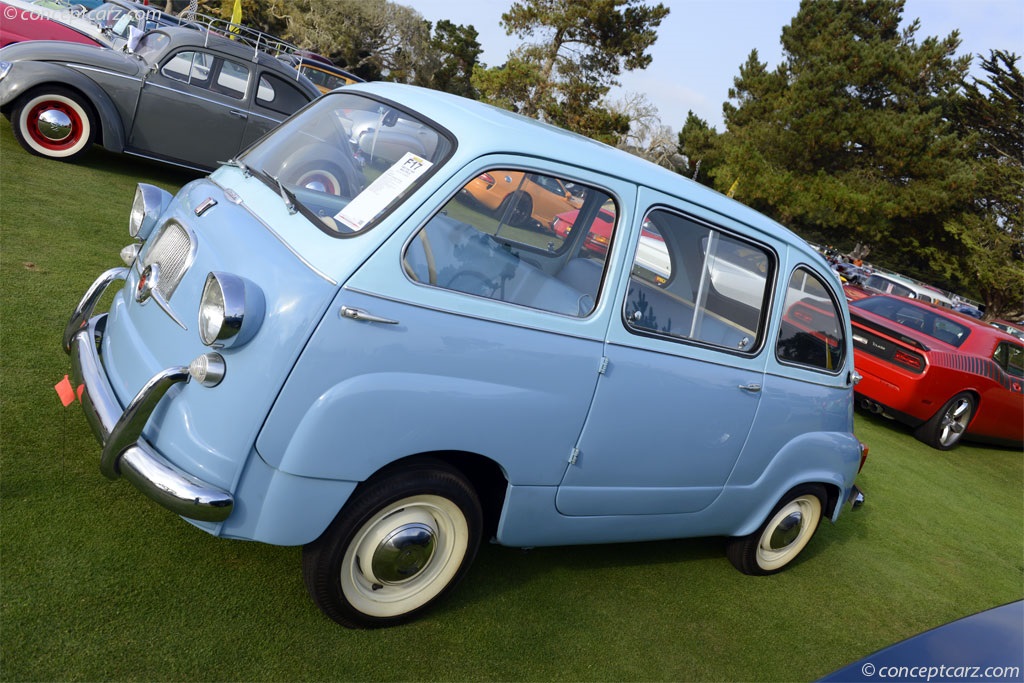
184 96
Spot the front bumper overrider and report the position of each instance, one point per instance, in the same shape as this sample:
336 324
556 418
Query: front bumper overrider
119 429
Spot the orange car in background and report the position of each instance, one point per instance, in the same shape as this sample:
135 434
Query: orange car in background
523 199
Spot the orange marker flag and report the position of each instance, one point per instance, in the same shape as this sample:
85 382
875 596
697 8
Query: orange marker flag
65 392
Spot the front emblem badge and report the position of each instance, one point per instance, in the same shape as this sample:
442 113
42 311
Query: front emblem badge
147 283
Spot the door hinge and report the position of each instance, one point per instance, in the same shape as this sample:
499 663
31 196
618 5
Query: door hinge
604 365
574 455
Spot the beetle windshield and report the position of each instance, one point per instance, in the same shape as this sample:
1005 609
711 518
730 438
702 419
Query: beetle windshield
347 160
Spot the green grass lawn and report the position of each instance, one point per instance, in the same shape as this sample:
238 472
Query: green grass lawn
97 583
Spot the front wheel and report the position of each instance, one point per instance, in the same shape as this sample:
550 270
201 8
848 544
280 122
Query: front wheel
56 123
400 544
948 425
781 538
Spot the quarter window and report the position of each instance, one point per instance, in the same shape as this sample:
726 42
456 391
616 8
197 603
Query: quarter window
693 282
812 329
1010 358
519 237
278 95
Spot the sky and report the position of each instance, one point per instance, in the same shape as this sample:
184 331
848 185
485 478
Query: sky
702 43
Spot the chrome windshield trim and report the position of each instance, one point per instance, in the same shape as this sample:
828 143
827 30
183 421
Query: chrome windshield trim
300 257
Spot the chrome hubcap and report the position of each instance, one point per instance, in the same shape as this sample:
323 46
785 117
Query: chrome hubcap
54 125
787 531
403 553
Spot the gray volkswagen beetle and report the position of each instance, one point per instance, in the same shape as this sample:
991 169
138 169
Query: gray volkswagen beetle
187 97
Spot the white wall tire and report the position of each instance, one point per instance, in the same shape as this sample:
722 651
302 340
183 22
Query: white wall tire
783 536
401 543
56 124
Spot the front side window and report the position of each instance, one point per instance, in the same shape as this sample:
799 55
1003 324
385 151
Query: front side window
812 331
317 160
479 244
693 282
190 67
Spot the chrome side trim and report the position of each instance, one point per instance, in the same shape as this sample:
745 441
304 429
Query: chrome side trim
105 72
125 453
83 311
277 235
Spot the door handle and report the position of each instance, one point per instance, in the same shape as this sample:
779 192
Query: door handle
752 388
238 114
358 314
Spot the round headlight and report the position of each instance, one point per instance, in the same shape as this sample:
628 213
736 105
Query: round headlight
149 203
230 310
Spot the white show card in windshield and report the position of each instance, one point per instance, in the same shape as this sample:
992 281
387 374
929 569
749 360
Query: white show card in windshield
382 191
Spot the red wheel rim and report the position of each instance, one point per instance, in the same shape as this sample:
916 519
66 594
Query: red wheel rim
32 125
326 180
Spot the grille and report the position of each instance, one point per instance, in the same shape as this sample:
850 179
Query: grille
172 250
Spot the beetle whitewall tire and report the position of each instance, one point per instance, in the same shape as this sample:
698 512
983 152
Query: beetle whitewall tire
55 123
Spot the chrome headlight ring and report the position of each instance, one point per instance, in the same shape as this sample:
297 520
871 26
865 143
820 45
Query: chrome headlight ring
231 310
147 207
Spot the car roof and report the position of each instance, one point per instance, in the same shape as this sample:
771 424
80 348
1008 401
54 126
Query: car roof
188 36
485 129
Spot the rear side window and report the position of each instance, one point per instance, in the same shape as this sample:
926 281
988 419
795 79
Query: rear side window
280 96
693 282
812 332
519 237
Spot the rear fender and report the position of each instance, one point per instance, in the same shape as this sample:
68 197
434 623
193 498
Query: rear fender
828 458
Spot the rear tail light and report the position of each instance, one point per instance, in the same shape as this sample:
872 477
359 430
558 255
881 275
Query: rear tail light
909 360
863 456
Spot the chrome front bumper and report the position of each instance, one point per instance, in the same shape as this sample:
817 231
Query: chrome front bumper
119 431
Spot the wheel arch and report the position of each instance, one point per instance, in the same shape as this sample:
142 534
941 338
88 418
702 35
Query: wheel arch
39 76
485 476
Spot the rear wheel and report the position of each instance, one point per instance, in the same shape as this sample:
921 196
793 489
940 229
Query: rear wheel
783 536
401 543
54 122
947 426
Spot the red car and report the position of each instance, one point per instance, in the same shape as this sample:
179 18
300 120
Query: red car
600 230
943 373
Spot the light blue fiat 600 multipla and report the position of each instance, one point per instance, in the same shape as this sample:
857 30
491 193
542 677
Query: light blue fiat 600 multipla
359 337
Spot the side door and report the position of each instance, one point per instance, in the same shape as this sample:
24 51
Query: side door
274 100
684 365
193 109
459 334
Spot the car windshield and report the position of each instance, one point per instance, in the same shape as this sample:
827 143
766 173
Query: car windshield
918 318
151 46
348 160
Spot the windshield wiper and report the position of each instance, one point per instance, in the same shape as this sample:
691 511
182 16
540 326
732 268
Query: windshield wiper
287 195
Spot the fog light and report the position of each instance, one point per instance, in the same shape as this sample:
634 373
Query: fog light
208 369
130 253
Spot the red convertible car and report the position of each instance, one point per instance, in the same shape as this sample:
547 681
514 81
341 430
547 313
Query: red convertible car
945 374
